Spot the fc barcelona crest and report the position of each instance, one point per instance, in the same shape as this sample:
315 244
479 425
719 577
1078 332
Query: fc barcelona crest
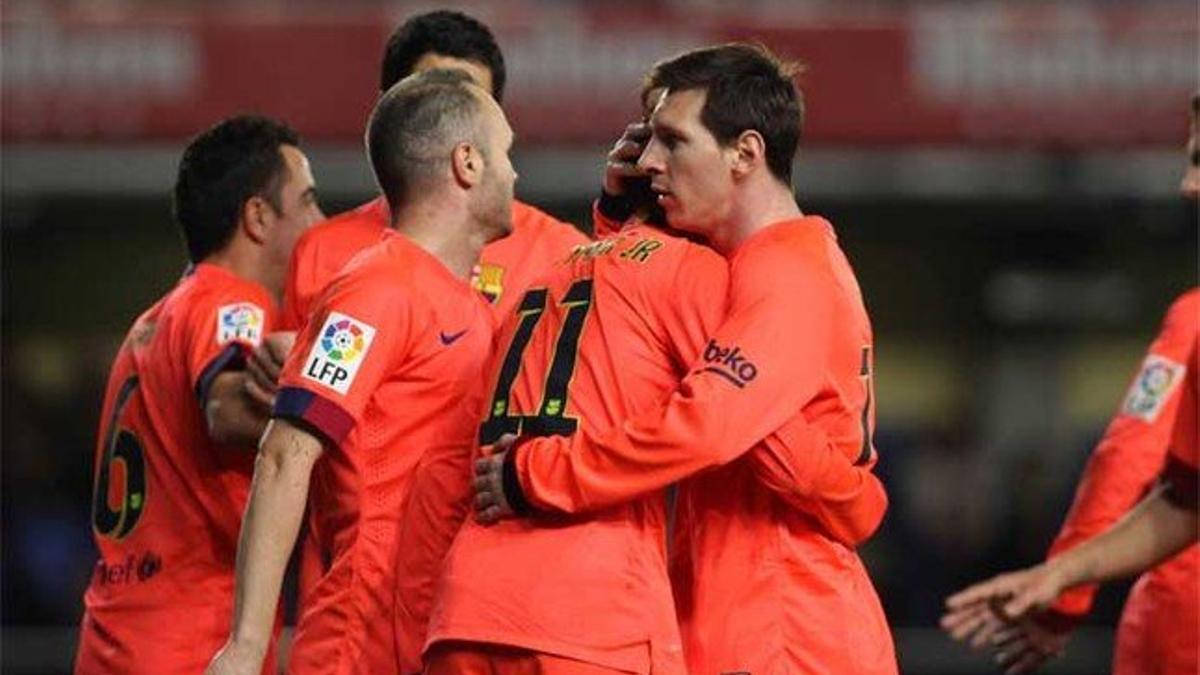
489 280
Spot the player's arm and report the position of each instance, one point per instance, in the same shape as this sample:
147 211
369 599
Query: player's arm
1159 527
264 366
1119 472
1155 530
799 463
744 388
1127 460
222 334
277 498
234 419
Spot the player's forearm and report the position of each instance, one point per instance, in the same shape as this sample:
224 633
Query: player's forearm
851 516
742 389
1124 464
233 419
813 476
707 422
585 472
1154 531
272 522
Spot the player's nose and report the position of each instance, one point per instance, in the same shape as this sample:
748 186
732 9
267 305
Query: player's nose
1190 185
651 160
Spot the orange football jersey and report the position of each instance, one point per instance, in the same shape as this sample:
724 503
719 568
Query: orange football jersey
168 501
506 266
1159 631
608 333
381 372
760 584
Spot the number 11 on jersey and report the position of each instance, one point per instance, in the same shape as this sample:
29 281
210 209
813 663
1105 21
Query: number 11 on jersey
551 418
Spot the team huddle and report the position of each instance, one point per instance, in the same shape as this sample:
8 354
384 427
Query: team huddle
493 445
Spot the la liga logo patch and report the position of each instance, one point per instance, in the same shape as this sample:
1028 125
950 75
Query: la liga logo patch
1152 388
338 352
241 322
343 341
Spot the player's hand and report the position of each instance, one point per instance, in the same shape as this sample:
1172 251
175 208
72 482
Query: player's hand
1024 646
236 658
1010 596
975 623
622 159
490 502
264 365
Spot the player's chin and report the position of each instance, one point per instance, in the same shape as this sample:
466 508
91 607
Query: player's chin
502 229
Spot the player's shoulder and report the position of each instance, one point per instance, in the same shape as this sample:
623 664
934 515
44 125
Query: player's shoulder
805 246
401 267
362 222
1186 308
208 296
533 223
641 256
1181 325
206 284
803 237
636 247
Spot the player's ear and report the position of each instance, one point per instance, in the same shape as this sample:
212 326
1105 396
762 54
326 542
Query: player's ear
749 150
466 163
255 222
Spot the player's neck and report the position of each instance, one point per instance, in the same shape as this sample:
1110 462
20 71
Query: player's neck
756 210
244 260
446 234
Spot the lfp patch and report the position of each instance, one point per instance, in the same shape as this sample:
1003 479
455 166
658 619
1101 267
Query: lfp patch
241 322
1153 387
338 352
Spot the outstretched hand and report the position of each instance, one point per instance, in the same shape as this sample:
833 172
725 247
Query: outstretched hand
1002 613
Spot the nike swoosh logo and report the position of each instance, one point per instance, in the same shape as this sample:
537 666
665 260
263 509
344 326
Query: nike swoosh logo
450 338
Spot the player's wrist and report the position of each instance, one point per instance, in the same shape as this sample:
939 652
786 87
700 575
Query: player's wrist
615 207
1065 571
250 641
248 654
514 492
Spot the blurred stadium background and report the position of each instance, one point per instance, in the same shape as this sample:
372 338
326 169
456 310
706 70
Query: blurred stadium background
1003 176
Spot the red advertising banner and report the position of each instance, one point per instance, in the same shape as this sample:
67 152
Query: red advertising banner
1055 74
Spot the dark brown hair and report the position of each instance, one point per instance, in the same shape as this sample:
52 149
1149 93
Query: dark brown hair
748 88
222 168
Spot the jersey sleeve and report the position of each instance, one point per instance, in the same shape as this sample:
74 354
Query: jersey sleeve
1182 472
360 329
799 464
1182 478
1130 456
223 329
763 364
608 216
